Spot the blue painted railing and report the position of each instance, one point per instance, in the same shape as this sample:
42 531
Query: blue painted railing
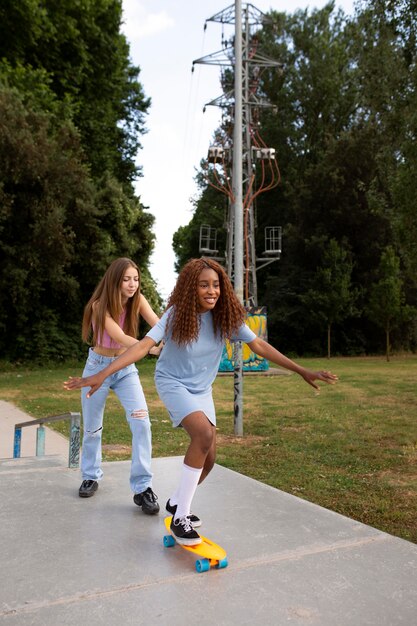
74 439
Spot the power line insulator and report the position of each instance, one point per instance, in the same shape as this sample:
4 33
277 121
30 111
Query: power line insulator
264 154
215 153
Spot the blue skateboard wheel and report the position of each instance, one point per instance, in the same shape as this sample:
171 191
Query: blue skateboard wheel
169 541
202 565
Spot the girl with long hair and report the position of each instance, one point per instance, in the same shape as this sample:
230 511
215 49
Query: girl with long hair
202 312
110 323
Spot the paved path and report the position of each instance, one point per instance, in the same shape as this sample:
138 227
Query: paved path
67 560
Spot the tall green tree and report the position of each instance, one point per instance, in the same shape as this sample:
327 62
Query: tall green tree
389 62
86 58
46 200
386 306
331 297
327 160
72 112
386 55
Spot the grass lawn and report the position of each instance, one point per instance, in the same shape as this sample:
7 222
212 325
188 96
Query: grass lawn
351 449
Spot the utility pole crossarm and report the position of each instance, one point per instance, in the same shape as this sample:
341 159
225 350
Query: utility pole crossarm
264 61
215 58
227 16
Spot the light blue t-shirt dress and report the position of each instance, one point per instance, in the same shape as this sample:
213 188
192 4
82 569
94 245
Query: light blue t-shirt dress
184 374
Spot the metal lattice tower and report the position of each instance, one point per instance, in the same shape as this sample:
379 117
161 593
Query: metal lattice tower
252 64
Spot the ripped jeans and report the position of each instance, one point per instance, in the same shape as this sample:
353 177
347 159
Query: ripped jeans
127 387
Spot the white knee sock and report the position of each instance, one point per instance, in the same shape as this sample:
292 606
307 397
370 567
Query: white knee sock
186 490
174 498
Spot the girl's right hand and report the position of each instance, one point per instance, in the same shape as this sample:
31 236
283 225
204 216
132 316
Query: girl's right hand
89 381
156 350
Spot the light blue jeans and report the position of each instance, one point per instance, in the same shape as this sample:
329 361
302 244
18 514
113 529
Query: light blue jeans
127 387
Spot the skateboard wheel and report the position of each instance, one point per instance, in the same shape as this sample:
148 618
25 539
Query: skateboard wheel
169 541
222 563
202 565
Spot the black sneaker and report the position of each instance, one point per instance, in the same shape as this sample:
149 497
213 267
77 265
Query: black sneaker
88 488
172 508
148 501
183 532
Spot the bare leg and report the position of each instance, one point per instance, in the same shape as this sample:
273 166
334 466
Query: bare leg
210 458
202 434
198 459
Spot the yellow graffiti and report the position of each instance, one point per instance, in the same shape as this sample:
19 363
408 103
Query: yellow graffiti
251 361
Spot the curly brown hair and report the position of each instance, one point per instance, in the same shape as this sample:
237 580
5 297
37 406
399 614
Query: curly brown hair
228 314
107 299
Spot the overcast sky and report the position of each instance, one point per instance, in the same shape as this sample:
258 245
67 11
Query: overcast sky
165 37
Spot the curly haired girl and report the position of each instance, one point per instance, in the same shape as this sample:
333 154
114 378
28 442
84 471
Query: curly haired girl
202 312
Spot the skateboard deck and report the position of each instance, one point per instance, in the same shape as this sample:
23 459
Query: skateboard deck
211 555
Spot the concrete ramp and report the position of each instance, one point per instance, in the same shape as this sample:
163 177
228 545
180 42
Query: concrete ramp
68 560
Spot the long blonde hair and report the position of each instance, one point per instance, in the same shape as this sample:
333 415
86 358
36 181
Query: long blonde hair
107 299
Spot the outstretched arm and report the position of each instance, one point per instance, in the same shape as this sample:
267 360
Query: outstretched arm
151 318
263 348
132 354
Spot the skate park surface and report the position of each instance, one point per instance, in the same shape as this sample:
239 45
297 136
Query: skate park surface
101 560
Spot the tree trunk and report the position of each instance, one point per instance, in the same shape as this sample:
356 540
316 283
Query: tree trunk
329 326
388 346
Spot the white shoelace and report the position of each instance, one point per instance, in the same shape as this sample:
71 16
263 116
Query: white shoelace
185 523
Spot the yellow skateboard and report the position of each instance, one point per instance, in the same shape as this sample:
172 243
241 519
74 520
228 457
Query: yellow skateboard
211 554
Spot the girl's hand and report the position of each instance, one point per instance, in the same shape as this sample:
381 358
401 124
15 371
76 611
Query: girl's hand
90 381
324 376
156 350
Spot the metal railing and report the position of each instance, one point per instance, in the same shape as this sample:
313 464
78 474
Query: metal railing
74 439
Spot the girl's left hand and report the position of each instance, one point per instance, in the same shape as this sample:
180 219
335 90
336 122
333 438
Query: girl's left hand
324 376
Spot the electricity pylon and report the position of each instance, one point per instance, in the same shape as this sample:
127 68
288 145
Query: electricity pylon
241 149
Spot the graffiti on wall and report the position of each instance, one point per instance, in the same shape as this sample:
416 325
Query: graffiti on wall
256 320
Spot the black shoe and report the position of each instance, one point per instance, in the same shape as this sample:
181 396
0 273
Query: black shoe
148 501
183 532
172 508
88 488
